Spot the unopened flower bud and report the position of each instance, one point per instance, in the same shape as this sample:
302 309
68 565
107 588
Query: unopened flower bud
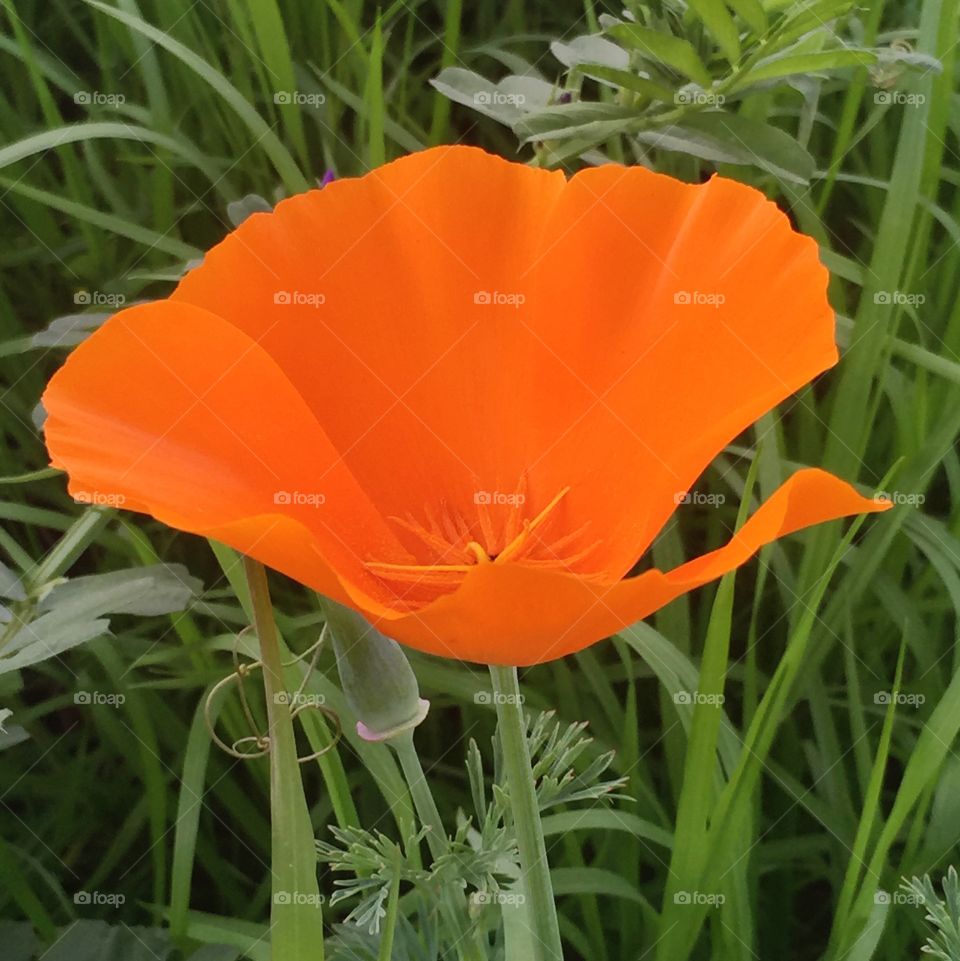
376 677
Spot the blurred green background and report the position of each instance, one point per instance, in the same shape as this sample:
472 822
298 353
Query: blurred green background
135 134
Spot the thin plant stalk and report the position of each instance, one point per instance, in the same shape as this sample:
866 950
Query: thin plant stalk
420 791
467 945
296 921
541 909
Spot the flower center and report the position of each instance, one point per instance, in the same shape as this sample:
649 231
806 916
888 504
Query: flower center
457 546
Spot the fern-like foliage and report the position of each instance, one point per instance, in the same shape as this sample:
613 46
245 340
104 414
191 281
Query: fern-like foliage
943 913
478 868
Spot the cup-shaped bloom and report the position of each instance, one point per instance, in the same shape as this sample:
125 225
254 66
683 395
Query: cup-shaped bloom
461 395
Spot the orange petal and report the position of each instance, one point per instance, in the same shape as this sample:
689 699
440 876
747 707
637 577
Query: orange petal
683 313
170 410
364 293
511 614
414 381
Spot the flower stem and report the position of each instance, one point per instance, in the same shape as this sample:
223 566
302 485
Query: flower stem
541 909
465 936
420 792
296 922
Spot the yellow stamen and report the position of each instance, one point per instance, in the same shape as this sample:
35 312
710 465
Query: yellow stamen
431 539
478 552
456 529
513 521
420 568
516 545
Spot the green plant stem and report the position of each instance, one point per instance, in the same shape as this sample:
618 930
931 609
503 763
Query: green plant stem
296 920
467 945
420 791
540 906
390 922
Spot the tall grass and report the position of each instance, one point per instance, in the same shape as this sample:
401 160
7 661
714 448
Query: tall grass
772 829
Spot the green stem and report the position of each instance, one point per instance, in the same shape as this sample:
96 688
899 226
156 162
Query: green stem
296 921
393 910
540 907
466 937
420 792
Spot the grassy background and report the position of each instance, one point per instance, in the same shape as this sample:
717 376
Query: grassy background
807 800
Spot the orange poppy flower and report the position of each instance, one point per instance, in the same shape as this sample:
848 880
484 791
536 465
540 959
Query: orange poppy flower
462 395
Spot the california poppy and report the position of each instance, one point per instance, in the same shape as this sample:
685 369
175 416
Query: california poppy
463 395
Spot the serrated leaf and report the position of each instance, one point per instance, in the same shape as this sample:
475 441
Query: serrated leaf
663 48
